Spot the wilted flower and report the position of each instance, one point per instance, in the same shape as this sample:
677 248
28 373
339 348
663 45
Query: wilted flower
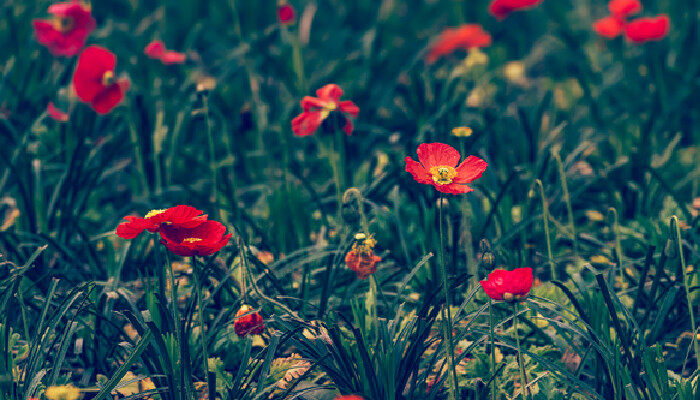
248 321
285 13
204 239
501 8
66 32
647 29
94 80
464 37
437 166
361 257
157 51
55 113
317 109
507 285
64 392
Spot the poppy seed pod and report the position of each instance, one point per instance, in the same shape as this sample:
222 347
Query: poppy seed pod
351 208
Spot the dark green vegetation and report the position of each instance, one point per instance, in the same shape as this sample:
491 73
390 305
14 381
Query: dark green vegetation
591 154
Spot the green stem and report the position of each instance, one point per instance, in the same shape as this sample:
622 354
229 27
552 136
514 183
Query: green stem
492 337
213 197
567 200
696 346
545 219
138 157
618 245
523 380
198 287
446 312
176 318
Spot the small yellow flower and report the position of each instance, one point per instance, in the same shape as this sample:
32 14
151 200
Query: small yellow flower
64 392
462 131
515 71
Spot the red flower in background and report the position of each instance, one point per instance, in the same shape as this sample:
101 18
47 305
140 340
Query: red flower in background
646 29
94 81
623 8
285 14
204 239
66 32
609 27
157 51
467 36
317 109
437 166
179 216
508 285
55 113
248 322
501 8
349 397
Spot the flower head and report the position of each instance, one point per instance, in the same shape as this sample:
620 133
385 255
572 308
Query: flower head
437 166
204 239
66 32
361 257
248 321
317 109
508 285
285 14
157 51
55 113
180 216
501 8
623 8
647 29
609 27
465 37
94 80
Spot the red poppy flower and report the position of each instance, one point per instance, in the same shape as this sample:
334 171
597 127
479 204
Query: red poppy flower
248 322
609 27
157 51
286 14
317 109
646 29
501 8
94 81
623 8
437 166
467 36
55 113
363 262
179 216
204 239
66 32
508 285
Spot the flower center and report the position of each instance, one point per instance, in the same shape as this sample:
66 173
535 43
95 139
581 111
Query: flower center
153 213
443 175
327 109
191 240
108 78
63 24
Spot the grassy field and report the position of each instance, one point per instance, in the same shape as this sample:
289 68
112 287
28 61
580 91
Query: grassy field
345 268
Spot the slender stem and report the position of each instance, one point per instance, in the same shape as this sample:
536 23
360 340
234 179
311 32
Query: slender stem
446 312
493 351
696 346
176 318
133 135
213 197
521 365
545 219
567 200
198 287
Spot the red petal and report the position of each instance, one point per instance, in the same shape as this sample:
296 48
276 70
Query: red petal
330 92
349 107
306 123
501 8
55 113
133 227
470 170
420 174
92 65
608 27
646 29
437 154
173 57
107 99
623 8
453 188
155 49
285 14
308 102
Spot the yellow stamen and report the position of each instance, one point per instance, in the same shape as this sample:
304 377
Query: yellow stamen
327 109
443 175
153 213
63 24
191 240
108 78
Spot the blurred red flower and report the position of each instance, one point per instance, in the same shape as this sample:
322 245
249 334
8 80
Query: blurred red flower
178 216
157 51
204 239
66 32
508 285
248 321
467 36
317 109
501 8
437 166
623 8
94 81
646 29
609 27
362 261
285 14
349 397
55 113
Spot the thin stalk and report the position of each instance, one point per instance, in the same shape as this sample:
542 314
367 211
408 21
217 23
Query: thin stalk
138 157
492 337
696 346
178 337
545 220
213 196
567 200
523 380
618 245
446 312
198 287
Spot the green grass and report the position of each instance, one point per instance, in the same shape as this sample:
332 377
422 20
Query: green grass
594 163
